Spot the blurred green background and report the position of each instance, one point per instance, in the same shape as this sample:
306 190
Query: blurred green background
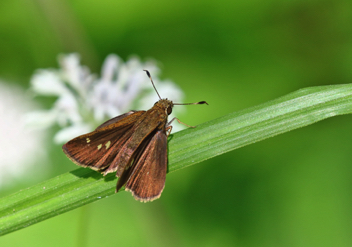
291 190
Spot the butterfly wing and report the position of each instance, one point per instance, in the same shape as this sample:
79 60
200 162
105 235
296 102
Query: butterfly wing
126 174
147 180
153 119
115 119
97 149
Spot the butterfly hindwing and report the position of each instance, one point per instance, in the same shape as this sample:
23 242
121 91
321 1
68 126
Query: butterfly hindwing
147 180
126 174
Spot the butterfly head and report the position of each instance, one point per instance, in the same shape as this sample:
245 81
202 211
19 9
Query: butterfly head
165 104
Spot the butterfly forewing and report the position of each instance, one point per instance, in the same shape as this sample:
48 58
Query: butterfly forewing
148 177
98 148
118 118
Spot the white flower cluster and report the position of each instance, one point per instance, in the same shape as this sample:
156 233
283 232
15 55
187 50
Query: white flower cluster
85 100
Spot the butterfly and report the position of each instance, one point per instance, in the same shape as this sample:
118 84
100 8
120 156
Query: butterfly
134 145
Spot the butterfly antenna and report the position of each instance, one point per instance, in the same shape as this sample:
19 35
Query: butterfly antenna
196 103
150 77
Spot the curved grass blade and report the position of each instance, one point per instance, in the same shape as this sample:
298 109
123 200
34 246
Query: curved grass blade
79 187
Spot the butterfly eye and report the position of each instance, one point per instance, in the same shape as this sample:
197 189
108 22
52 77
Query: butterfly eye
169 110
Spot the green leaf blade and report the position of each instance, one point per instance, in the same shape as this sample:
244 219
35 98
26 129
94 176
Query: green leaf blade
79 187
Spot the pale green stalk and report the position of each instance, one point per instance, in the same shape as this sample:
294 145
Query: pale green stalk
79 187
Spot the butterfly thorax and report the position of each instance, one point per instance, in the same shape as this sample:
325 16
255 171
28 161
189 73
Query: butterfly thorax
159 112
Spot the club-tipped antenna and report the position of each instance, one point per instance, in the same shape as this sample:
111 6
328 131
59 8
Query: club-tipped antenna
150 77
196 103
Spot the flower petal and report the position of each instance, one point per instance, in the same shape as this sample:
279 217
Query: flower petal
47 82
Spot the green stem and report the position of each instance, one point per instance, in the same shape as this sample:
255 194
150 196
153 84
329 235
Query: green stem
79 187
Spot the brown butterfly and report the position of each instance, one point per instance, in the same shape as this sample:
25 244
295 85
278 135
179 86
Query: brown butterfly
134 145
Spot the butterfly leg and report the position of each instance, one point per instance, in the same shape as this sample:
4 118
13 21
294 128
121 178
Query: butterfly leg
168 130
178 120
